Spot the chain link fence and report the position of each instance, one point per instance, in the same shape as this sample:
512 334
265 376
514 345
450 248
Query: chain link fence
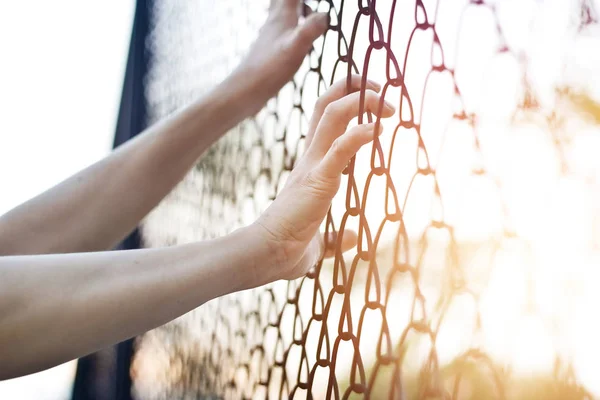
476 272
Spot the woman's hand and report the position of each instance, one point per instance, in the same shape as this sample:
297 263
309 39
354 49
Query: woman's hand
283 42
291 223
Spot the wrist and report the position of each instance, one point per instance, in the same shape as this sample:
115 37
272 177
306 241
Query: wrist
269 257
252 89
241 260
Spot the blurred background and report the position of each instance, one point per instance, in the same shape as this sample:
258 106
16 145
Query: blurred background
61 75
484 282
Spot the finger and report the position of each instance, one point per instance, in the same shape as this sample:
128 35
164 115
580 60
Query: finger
338 115
338 90
344 148
349 240
306 33
294 5
289 5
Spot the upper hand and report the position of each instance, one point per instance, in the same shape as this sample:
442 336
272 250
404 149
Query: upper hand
282 44
291 223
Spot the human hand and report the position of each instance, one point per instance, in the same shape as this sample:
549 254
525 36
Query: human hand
291 224
283 42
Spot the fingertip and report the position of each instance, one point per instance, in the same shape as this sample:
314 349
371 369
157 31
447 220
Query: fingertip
388 114
314 26
349 240
322 19
389 108
373 85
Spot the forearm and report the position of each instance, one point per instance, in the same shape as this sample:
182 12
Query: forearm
97 207
91 300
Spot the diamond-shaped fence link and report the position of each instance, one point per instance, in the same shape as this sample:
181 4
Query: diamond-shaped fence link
475 273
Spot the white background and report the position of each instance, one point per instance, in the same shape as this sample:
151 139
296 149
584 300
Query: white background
61 71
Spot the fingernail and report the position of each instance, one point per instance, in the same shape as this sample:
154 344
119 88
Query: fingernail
389 105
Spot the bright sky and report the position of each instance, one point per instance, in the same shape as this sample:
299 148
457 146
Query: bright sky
61 74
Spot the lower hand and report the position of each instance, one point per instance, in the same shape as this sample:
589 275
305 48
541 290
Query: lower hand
291 224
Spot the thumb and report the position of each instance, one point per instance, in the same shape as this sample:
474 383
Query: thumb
313 26
348 241
311 257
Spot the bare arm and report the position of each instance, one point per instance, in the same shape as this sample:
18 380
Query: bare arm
96 208
54 308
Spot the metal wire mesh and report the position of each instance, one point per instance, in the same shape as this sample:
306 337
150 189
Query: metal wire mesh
475 209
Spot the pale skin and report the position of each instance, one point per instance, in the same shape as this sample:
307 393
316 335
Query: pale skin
63 295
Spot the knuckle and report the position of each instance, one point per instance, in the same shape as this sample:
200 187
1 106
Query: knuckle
337 146
321 104
344 147
332 110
